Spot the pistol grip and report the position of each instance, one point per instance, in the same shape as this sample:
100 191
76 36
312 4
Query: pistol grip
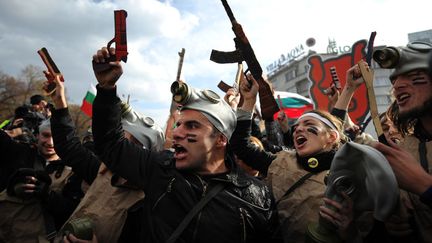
50 88
100 67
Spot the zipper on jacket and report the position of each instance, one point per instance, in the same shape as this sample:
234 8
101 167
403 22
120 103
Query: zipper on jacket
204 185
169 188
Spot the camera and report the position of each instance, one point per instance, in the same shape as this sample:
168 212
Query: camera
31 119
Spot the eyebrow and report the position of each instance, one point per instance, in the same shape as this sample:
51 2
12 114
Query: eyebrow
189 122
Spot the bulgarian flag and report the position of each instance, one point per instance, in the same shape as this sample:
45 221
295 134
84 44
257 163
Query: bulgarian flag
294 105
87 105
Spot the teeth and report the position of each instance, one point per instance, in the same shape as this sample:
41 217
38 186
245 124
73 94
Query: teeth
403 96
178 148
300 139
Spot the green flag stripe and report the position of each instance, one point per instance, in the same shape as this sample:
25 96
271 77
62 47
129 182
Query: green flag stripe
90 97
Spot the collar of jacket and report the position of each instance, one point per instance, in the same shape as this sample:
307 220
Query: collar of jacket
235 175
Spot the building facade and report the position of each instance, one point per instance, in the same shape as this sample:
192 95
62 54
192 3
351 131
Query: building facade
292 73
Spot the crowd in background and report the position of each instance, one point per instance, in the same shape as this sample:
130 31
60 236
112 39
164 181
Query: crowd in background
214 174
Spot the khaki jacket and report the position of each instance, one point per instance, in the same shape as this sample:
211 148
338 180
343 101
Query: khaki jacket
421 212
106 206
301 207
22 221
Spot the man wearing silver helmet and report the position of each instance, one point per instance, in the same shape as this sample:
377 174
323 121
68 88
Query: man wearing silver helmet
196 193
412 160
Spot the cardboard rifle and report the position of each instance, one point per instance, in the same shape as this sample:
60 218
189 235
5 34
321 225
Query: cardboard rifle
180 64
52 68
120 42
336 82
225 87
178 84
244 52
368 76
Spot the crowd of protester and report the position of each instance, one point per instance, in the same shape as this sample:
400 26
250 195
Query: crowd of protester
214 175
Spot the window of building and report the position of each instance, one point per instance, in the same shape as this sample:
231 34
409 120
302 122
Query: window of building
302 86
381 81
383 99
291 74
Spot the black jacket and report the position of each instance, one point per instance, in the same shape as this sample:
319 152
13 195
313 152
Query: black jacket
242 212
68 146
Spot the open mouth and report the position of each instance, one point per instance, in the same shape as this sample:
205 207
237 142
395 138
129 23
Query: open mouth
300 140
395 140
402 97
179 151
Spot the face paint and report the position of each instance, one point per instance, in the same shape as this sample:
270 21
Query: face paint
418 78
313 130
191 138
419 81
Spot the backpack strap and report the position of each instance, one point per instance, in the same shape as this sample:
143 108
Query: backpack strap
197 208
295 186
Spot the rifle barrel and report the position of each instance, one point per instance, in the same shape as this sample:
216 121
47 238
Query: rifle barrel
228 11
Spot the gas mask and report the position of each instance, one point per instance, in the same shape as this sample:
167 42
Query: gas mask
365 175
208 103
404 59
142 128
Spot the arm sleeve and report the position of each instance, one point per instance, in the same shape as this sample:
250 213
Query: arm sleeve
134 163
68 146
244 150
274 133
341 114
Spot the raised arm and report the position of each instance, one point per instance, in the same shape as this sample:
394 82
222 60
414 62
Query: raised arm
128 160
84 163
242 148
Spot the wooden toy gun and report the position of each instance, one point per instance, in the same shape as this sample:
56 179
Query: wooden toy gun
244 52
52 68
120 42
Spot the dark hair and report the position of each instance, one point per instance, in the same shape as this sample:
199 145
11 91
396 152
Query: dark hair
404 126
35 99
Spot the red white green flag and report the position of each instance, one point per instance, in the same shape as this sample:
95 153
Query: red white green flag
87 104
293 104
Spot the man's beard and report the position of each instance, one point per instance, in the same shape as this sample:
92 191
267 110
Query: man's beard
417 112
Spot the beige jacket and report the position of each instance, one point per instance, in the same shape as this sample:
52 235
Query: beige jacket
301 207
106 206
21 221
421 212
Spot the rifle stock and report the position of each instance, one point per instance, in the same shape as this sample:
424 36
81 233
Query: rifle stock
267 101
120 40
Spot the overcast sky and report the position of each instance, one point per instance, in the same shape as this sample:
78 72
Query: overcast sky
73 30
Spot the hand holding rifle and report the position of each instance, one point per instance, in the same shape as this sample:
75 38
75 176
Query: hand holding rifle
244 52
282 117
